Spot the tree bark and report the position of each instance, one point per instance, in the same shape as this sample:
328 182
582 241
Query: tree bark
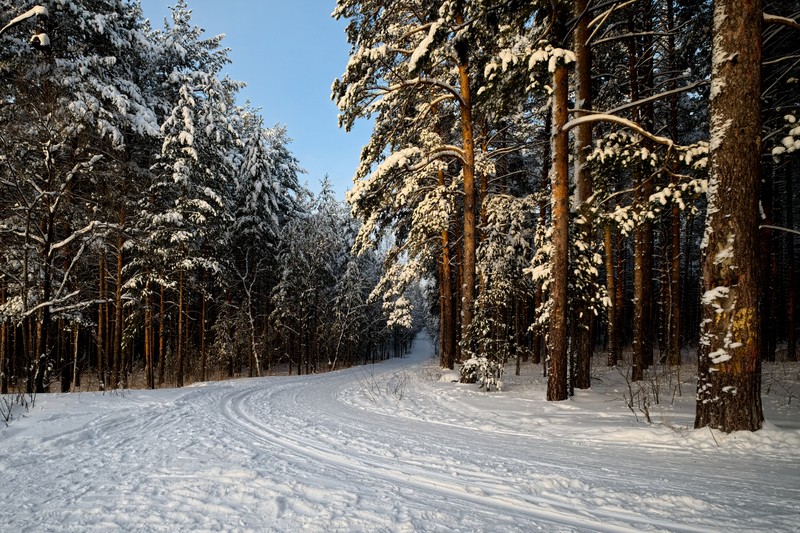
674 281
75 357
791 327
470 215
161 334
4 356
729 381
203 354
43 324
118 366
614 354
447 354
643 240
583 180
101 326
148 338
767 265
179 344
559 176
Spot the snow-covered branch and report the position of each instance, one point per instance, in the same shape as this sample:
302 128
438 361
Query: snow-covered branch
779 228
436 154
604 117
658 96
783 21
51 303
427 81
32 12
600 19
92 226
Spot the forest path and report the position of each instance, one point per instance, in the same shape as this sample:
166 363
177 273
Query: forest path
385 447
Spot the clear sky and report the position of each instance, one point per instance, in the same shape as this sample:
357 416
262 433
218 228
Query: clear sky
288 52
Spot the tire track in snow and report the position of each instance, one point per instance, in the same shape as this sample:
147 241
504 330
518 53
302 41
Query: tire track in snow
473 492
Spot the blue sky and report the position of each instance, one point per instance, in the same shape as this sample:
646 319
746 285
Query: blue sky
288 52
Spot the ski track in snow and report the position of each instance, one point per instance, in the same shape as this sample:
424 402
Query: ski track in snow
379 448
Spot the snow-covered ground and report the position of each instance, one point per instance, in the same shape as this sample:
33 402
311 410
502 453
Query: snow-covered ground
394 447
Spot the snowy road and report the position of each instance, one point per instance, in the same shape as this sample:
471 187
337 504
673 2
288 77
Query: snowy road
379 448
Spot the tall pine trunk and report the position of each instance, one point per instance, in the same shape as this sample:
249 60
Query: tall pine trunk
791 327
148 338
583 179
161 334
614 354
643 238
729 381
674 281
470 196
101 368
179 344
118 366
767 265
447 354
559 177
43 324
4 355
203 354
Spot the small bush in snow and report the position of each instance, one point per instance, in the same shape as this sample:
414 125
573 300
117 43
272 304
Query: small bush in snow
484 371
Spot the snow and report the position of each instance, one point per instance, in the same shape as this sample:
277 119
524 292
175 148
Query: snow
393 447
424 46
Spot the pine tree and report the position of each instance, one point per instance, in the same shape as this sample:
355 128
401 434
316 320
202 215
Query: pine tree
77 113
729 384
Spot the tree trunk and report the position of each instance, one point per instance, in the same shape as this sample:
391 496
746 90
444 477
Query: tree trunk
458 276
648 187
559 176
203 355
4 356
64 359
643 239
791 328
583 180
101 378
539 296
621 311
447 355
470 216
614 354
729 381
75 357
43 324
179 346
674 281
767 281
161 334
118 366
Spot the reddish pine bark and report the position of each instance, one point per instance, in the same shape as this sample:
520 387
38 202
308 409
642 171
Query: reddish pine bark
729 384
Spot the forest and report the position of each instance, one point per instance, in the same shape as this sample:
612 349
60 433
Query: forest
586 179
547 182
152 227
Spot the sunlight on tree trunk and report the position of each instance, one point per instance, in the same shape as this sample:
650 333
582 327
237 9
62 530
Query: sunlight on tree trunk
729 385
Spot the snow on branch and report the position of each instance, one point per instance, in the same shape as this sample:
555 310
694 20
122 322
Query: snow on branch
92 226
32 12
779 228
783 21
427 81
600 19
658 96
53 302
604 117
438 153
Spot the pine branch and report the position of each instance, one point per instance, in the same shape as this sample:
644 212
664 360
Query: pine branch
783 21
